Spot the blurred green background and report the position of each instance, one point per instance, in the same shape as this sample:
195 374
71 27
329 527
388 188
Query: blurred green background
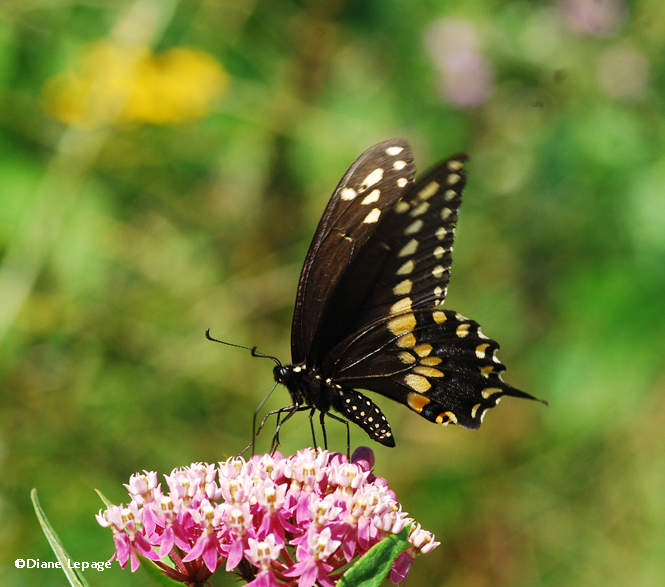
163 166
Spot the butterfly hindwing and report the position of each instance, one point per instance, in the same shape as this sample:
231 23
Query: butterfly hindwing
368 190
437 362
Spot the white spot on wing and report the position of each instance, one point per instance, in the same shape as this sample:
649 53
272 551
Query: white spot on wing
372 197
406 268
348 194
414 227
402 181
428 191
403 287
409 248
399 165
421 209
373 216
402 207
392 151
372 178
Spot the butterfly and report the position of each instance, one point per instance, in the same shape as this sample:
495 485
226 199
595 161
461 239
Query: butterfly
368 312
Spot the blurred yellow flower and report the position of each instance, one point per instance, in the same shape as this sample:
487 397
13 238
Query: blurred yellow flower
117 84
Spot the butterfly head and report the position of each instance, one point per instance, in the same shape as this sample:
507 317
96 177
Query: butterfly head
283 374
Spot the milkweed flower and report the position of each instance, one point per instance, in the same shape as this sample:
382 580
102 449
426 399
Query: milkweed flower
274 520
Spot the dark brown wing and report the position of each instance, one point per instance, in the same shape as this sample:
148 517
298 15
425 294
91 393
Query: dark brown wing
405 347
359 204
410 255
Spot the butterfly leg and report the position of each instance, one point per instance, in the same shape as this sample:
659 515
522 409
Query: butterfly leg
348 431
322 415
256 431
311 426
290 411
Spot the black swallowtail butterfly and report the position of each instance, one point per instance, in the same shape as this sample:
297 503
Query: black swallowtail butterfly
368 310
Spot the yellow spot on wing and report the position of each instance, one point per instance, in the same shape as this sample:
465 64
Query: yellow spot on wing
409 248
444 418
449 195
437 271
403 287
402 324
401 206
488 392
439 317
440 233
431 361
428 191
401 306
455 165
474 409
428 371
480 350
418 210
445 213
406 358
406 341
406 268
439 251
422 350
417 382
415 226
416 401
453 178
462 330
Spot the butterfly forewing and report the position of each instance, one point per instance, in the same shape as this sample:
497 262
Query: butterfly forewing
367 192
419 234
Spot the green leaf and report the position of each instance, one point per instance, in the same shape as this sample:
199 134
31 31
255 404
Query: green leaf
155 573
374 566
73 576
107 503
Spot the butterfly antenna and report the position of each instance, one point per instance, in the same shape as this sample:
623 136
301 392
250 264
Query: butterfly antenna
255 353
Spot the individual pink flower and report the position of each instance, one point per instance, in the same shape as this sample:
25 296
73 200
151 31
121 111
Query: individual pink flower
466 77
273 520
593 17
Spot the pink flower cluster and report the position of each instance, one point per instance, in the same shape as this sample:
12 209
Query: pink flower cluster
274 520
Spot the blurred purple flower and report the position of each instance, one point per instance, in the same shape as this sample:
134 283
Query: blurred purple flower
593 17
276 520
465 76
623 72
